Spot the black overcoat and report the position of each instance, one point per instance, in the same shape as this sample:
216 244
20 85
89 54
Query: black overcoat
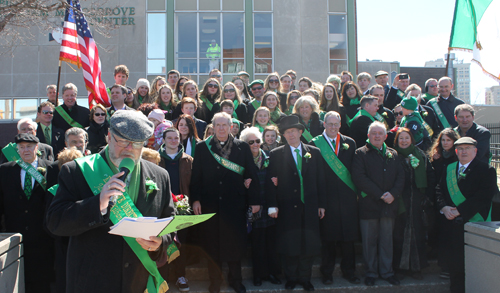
341 221
297 222
222 191
27 217
78 113
57 139
99 261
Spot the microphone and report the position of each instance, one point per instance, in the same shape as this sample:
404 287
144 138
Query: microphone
127 165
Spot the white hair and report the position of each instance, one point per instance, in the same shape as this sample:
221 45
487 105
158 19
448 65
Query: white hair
331 114
26 120
223 115
248 131
377 124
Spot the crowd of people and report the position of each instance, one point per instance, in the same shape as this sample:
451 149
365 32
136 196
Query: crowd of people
294 170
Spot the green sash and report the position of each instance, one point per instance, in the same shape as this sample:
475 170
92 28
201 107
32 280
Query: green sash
363 112
334 162
401 94
428 128
33 172
307 135
207 102
348 120
97 172
236 104
456 195
67 118
256 104
225 163
10 152
53 189
440 114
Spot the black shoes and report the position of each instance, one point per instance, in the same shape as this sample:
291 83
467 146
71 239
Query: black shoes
273 279
307 286
392 280
352 279
238 288
290 285
327 280
369 281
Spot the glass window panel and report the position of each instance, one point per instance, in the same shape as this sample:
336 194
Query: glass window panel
82 101
233 65
210 31
202 79
5 109
336 6
209 4
232 5
208 64
337 37
25 108
337 66
263 65
187 66
156 35
262 5
186 35
233 35
156 66
263 34
186 5
156 4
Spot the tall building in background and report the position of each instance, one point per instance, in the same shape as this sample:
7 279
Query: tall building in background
461 78
492 95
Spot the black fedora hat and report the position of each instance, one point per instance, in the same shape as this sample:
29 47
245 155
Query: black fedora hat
291 121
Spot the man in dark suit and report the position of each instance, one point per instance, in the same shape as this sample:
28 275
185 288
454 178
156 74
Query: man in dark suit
296 193
464 115
69 114
444 105
23 203
397 91
217 186
118 96
363 119
99 261
46 132
340 225
378 92
464 195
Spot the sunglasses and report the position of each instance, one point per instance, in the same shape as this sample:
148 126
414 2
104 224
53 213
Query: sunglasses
47 112
229 91
251 142
257 88
433 85
215 75
212 85
398 113
273 81
99 114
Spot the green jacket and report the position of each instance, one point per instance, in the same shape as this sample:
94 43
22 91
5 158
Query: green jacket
213 52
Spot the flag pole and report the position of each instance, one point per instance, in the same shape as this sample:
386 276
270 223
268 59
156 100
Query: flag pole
447 63
58 80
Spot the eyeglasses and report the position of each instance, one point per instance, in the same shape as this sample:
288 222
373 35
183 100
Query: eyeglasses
212 85
333 124
251 142
215 75
466 149
99 114
435 85
257 88
47 112
294 97
124 143
273 81
229 90
398 113
181 84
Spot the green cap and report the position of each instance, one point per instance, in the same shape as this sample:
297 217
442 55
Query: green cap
409 103
257 81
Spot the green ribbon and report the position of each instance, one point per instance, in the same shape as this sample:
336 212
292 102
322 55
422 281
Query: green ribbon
363 112
256 104
334 162
456 195
440 114
307 135
10 152
67 118
53 189
33 172
224 162
207 102
96 173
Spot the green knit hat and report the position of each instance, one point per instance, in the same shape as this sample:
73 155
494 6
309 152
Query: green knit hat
409 103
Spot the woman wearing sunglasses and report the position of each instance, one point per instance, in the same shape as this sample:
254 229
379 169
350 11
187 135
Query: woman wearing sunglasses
98 128
231 92
210 97
264 256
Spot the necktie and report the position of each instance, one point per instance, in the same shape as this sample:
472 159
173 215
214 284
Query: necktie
299 168
27 185
46 133
461 171
334 147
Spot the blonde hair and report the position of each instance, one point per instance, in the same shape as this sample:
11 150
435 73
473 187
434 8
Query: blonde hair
260 109
151 156
68 155
306 99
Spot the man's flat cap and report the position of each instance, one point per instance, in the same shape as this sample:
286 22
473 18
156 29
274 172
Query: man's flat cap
131 125
257 81
381 72
465 140
243 73
26 137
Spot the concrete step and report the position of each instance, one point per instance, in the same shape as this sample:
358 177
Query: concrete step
431 283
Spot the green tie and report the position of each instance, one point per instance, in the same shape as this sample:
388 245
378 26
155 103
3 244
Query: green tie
460 171
299 168
46 133
27 185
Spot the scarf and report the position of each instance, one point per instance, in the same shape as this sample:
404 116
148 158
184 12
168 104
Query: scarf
384 148
355 101
447 154
269 147
420 171
133 179
225 150
275 115
163 153
165 107
258 160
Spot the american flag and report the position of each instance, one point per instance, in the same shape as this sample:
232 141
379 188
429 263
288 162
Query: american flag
78 47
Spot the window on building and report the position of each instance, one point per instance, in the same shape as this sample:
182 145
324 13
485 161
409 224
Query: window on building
337 36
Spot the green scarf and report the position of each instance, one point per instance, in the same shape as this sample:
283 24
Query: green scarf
384 148
355 101
164 154
139 98
275 115
165 107
135 177
362 112
289 111
420 171
236 104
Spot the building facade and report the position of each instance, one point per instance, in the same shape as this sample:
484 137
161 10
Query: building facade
314 38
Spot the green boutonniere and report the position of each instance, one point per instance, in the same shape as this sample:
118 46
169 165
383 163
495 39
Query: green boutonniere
266 163
389 155
38 153
41 170
150 186
384 114
345 146
307 156
424 114
413 161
